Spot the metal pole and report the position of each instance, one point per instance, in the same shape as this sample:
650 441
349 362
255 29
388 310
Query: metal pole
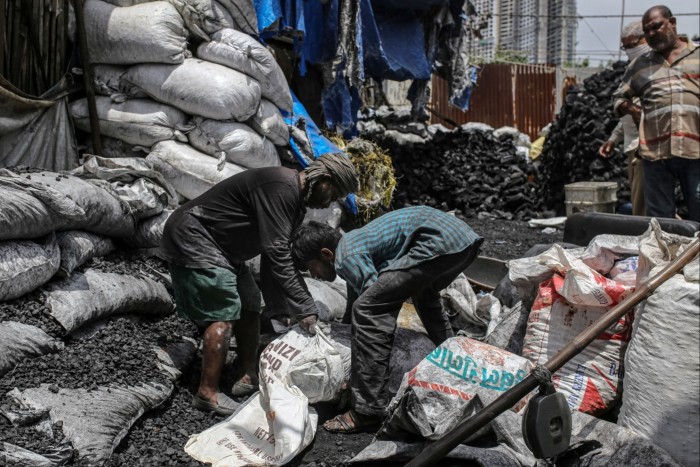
87 77
440 448
622 26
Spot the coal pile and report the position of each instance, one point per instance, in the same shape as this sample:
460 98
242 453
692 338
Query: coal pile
473 170
119 353
570 152
158 438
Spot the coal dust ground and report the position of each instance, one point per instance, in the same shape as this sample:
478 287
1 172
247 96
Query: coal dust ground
158 437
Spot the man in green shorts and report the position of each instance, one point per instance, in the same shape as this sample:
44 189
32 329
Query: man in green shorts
206 242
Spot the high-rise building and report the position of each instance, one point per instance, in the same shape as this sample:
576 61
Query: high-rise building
542 30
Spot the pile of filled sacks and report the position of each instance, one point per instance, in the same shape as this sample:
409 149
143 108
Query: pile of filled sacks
185 84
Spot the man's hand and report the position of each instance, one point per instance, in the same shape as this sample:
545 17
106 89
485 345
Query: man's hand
606 149
628 108
308 324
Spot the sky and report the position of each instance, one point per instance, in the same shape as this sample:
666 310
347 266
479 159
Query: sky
599 38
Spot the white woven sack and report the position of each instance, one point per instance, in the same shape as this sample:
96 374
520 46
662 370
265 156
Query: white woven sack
274 425
240 143
243 14
141 122
198 87
124 3
454 381
268 121
661 398
26 265
148 33
203 17
591 380
108 82
241 52
190 172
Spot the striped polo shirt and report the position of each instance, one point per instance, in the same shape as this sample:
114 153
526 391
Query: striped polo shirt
399 240
670 99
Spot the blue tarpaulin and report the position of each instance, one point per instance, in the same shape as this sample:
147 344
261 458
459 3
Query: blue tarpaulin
393 45
308 143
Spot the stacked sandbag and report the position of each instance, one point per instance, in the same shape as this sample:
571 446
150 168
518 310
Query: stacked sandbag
223 104
662 391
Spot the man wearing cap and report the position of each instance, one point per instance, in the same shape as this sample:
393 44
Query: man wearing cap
634 44
667 82
206 242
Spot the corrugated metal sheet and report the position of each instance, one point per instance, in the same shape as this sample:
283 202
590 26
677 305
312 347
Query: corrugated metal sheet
33 43
521 96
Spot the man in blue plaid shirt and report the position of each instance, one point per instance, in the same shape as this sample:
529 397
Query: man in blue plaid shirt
409 253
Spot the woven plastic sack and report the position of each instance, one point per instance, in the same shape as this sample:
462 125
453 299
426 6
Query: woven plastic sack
190 172
149 232
77 247
200 88
22 341
95 295
202 17
26 265
241 52
243 14
105 212
268 121
274 425
239 143
453 382
591 380
108 81
661 399
141 122
152 32
30 209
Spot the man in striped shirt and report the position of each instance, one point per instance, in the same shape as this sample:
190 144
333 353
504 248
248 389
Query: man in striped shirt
667 80
409 253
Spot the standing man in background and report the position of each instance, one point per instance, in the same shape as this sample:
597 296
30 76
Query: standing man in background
667 81
206 242
634 44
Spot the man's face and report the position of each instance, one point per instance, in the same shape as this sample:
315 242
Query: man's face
630 42
323 193
659 31
322 268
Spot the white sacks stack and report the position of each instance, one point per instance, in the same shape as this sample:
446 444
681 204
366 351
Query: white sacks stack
222 106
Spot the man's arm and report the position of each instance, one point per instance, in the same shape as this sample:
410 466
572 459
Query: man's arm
276 208
622 98
616 136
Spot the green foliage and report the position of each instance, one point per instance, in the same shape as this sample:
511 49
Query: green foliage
514 56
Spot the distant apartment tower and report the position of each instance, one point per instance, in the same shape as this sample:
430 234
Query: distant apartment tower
545 30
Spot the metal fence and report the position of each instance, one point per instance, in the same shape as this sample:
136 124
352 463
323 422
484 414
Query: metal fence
33 43
521 96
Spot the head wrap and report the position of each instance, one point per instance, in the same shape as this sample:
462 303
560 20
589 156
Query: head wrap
339 167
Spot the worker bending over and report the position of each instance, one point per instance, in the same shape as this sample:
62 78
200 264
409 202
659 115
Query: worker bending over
206 243
409 253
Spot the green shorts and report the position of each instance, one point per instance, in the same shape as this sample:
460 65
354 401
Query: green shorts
214 294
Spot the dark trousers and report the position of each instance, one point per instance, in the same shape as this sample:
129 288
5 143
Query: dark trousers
374 316
659 183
